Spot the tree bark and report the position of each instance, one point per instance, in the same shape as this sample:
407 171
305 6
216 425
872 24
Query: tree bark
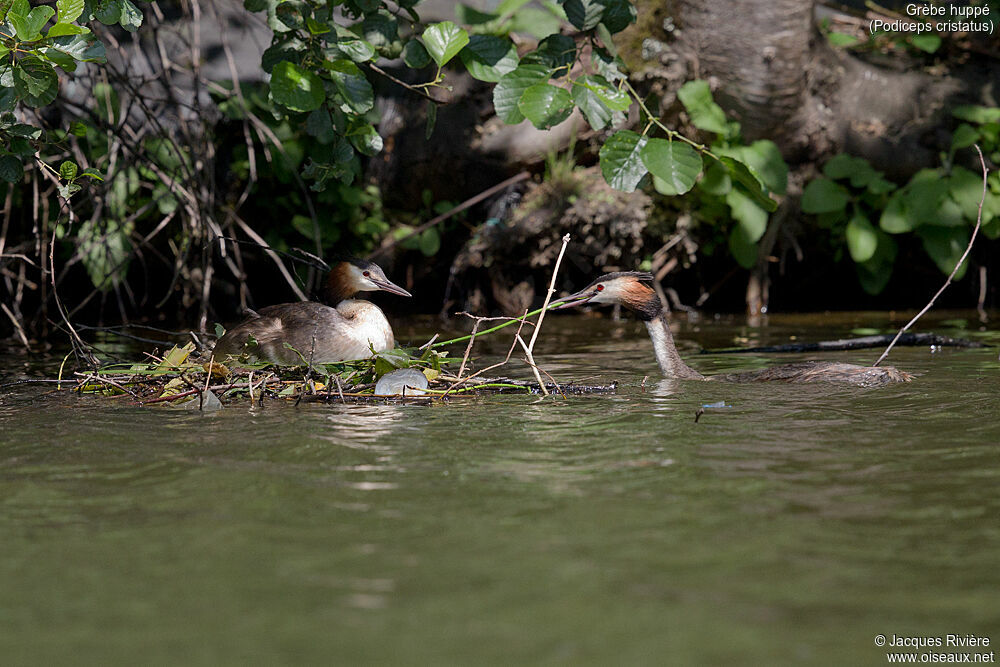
759 49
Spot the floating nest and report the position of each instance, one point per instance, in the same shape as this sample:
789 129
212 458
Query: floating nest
179 380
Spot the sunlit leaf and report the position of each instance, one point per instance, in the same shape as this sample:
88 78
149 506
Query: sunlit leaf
444 41
742 174
545 105
488 57
584 14
296 88
507 93
673 162
751 217
621 161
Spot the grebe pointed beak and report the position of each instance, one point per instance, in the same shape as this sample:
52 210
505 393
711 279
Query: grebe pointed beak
577 299
390 287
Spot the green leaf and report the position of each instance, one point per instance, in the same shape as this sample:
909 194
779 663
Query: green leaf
840 166
585 96
8 98
621 161
507 93
12 8
319 124
875 273
765 159
358 50
841 39
752 218
880 186
35 81
108 12
536 22
62 29
430 242
69 10
545 105
444 40
584 14
862 238
675 163
977 114
11 169
896 218
28 26
67 170
945 245
83 48
823 196
351 85
472 16
965 135
296 88
365 139
488 57
696 96
415 55
742 175
24 131
380 30
90 172
555 52
924 195
743 249
104 249
966 188
929 43
716 181
618 15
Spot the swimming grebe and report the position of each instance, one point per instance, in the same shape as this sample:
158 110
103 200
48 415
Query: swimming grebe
629 288
294 333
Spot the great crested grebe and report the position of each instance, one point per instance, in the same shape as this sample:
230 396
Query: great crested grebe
629 289
296 333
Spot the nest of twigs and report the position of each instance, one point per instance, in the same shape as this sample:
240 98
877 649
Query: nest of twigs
179 379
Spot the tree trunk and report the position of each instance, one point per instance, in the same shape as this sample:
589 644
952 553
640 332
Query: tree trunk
759 49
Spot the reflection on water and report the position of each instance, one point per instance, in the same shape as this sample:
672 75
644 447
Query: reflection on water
791 526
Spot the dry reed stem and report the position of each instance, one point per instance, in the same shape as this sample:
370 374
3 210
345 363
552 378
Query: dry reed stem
968 248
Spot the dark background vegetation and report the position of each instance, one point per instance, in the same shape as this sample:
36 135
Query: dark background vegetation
199 173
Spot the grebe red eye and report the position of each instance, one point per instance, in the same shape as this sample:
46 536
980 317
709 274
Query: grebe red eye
366 274
599 288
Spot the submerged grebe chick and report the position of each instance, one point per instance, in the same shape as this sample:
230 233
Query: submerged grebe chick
629 289
292 334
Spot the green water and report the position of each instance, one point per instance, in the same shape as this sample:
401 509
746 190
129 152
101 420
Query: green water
790 528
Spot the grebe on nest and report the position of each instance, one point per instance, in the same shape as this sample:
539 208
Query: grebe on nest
293 334
629 289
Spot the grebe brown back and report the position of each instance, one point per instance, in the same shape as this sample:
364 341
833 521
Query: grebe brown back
292 334
629 289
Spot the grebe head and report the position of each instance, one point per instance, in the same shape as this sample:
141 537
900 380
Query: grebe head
349 277
629 288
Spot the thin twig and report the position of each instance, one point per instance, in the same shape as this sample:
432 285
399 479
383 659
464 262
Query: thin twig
979 220
541 316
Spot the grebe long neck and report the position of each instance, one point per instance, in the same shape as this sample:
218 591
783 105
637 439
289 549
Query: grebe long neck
666 352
